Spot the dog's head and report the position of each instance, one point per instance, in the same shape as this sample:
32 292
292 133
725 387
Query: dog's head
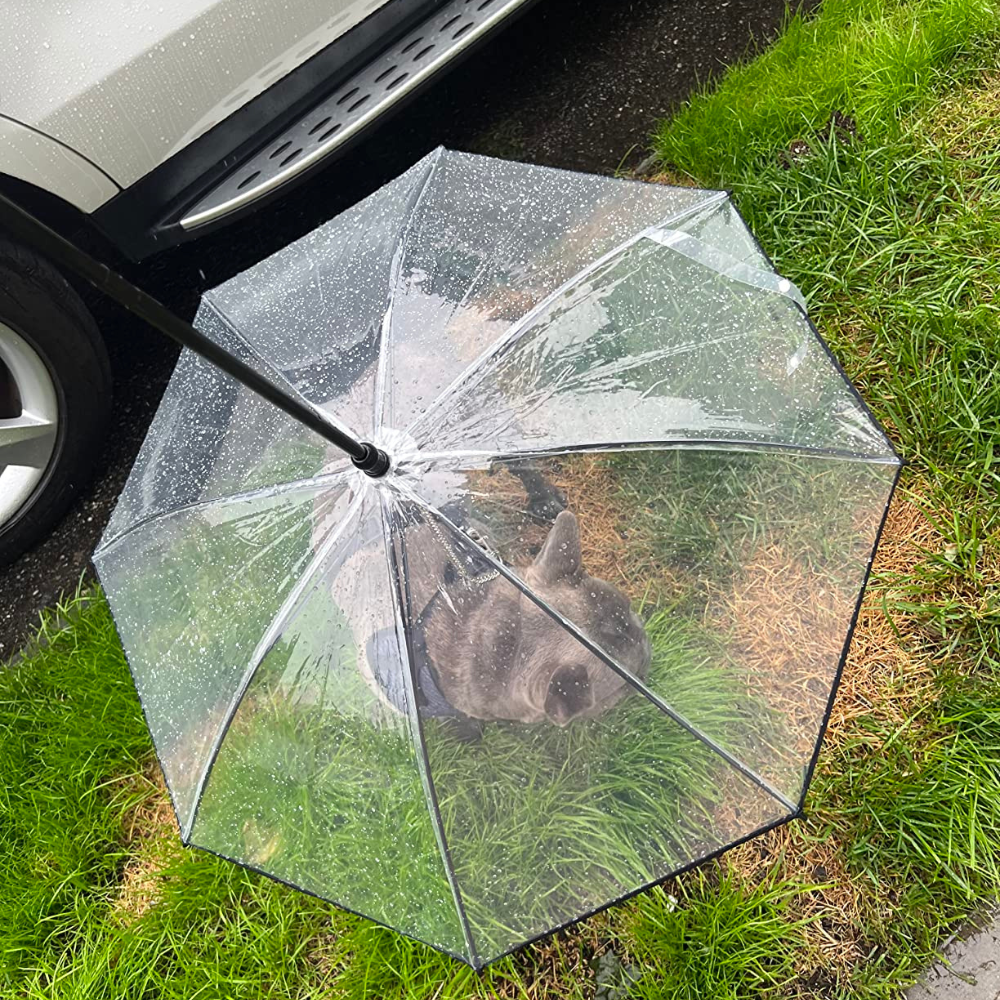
565 679
515 661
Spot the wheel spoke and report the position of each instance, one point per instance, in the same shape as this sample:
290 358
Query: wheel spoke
26 440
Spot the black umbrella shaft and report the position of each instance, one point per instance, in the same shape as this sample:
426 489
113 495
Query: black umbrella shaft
46 241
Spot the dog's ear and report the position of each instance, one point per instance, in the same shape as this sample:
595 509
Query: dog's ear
569 694
560 557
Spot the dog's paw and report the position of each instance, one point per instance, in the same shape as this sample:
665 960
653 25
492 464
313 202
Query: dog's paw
462 729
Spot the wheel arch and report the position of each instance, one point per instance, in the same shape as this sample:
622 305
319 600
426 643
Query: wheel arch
56 212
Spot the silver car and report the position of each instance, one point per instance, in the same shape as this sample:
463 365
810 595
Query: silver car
148 124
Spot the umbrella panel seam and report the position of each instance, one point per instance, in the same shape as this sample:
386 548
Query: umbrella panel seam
509 336
728 266
146 717
851 387
395 270
288 608
666 444
263 492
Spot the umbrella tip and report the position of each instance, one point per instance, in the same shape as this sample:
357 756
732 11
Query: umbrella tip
374 462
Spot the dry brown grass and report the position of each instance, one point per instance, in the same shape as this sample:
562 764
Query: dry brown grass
882 679
152 835
965 122
555 967
593 494
743 805
786 626
882 675
590 490
885 680
833 908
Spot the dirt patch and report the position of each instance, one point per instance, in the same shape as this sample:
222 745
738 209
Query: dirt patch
516 535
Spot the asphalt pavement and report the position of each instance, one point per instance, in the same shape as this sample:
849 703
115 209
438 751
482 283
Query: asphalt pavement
578 84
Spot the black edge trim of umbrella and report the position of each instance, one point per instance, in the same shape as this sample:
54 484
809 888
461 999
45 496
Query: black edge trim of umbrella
250 867
478 964
852 388
21 223
713 855
845 652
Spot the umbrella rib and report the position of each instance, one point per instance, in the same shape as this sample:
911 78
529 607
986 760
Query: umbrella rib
725 264
680 444
288 607
385 331
427 780
519 326
279 489
274 373
627 676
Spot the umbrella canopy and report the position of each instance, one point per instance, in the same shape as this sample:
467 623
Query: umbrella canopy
587 630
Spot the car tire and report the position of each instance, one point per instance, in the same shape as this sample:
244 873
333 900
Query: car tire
52 354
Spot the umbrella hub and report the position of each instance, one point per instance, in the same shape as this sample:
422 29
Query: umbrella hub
400 454
374 462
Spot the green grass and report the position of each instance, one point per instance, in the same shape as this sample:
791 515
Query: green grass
871 59
64 795
717 938
893 236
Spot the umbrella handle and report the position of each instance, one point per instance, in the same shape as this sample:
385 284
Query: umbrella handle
365 456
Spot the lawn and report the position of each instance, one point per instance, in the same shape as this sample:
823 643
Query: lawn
864 150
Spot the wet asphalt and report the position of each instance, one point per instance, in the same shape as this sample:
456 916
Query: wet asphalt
578 84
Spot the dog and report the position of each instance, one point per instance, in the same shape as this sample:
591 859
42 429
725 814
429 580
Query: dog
481 649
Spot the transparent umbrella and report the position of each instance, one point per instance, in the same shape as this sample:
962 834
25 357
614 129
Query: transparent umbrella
584 632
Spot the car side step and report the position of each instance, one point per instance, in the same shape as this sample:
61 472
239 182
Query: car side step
392 75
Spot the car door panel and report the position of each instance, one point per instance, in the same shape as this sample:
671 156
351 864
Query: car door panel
128 83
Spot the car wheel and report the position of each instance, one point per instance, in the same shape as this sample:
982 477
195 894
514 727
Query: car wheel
55 395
